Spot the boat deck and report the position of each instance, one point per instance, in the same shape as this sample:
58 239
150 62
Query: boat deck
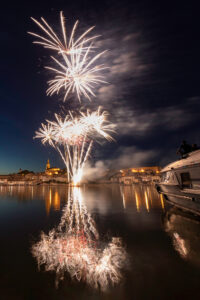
191 191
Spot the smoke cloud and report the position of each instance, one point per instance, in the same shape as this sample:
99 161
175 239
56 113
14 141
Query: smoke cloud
126 157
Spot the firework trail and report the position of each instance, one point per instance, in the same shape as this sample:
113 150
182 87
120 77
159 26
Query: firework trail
74 247
75 71
73 138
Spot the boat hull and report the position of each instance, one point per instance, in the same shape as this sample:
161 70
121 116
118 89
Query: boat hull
180 198
180 182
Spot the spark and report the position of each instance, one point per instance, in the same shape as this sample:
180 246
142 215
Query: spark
98 120
76 75
73 138
74 247
46 134
74 70
52 41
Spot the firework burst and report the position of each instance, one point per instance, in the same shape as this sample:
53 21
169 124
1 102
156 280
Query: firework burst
51 40
73 138
75 70
76 75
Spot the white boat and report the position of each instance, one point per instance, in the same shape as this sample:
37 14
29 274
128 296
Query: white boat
180 182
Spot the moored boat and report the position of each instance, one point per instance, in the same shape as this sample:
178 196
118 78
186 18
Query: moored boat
180 182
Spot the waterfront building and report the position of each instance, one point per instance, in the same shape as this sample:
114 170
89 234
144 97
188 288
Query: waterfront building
26 177
52 171
136 175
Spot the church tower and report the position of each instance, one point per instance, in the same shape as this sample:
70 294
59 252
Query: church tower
48 165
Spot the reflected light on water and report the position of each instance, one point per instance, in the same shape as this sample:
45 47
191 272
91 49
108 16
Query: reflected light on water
32 192
162 202
74 246
179 245
136 197
137 201
79 247
174 223
124 202
52 200
146 201
183 230
144 198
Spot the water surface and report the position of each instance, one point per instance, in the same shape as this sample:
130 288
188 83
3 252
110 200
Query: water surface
162 243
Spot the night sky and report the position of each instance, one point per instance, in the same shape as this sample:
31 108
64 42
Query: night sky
153 90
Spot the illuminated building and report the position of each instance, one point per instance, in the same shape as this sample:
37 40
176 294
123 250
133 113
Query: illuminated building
136 175
149 170
51 171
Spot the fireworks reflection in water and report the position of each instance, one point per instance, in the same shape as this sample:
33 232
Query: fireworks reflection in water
74 247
